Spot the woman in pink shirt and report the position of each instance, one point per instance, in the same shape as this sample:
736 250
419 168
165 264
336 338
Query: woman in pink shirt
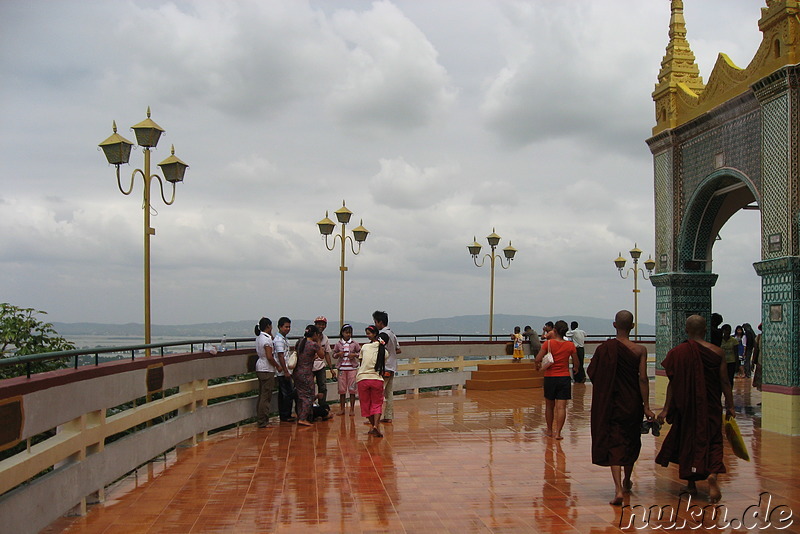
557 381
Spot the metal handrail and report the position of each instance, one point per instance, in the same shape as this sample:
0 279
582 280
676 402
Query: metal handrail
29 359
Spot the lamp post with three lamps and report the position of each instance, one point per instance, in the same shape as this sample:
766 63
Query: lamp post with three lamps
649 265
326 227
508 252
117 150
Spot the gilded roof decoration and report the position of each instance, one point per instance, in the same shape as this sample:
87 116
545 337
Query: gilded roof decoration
680 94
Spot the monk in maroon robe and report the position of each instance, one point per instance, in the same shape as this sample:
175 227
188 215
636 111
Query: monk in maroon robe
698 376
620 401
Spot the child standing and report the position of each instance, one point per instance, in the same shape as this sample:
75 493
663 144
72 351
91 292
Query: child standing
517 339
346 353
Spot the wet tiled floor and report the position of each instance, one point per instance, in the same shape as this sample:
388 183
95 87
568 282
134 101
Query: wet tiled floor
464 461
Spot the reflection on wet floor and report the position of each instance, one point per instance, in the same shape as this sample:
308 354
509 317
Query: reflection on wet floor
464 461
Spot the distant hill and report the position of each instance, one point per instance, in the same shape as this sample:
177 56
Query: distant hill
464 324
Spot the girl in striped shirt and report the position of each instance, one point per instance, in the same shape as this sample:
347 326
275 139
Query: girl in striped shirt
345 352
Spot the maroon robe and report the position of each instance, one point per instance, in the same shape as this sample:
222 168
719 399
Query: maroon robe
617 408
695 440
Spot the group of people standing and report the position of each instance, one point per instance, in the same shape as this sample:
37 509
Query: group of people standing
742 348
698 374
367 370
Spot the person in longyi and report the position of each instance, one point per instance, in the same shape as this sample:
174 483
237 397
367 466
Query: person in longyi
620 399
308 349
698 377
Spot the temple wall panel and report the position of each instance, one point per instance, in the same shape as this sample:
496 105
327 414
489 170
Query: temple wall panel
775 214
727 145
665 212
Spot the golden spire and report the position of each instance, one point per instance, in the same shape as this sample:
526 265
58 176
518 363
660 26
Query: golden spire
677 67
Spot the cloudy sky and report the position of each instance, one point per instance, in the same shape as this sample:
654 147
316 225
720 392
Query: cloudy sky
436 121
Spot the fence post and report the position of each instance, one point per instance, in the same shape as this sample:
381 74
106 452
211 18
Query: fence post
458 365
414 362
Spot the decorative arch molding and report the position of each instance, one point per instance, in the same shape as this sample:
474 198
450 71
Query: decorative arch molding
716 199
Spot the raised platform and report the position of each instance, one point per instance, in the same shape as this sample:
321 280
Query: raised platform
502 376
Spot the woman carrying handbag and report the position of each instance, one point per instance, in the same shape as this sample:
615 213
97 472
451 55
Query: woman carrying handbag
557 380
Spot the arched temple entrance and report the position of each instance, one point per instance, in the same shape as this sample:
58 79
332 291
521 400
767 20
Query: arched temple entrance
719 147
717 198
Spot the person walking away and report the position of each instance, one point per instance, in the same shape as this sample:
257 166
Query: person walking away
748 340
557 381
286 392
308 350
698 377
370 377
381 319
322 364
345 352
516 339
729 348
738 333
620 400
578 337
265 371
757 360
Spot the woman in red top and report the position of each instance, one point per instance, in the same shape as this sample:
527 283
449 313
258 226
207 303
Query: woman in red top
557 380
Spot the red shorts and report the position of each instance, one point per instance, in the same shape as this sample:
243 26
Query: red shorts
347 382
370 396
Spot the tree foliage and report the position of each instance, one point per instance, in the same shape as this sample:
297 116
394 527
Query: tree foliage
22 332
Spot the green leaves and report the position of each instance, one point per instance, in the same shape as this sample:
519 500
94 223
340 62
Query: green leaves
22 332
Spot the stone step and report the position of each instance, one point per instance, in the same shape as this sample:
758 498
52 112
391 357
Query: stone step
485 374
520 366
508 383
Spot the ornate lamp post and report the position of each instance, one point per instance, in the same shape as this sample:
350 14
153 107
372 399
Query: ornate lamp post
326 227
649 265
117 150
508 252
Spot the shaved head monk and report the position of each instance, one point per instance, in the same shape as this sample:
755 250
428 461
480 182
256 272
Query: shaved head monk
698 376
620 401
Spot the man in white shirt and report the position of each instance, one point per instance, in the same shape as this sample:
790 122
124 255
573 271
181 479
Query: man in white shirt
265 371
578 337
381 319
286 394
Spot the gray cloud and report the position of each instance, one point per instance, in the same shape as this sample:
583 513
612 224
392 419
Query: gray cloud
435 121
399 184
568 76
393 78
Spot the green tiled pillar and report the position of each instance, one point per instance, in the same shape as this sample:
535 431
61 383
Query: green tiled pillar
678 295
780 343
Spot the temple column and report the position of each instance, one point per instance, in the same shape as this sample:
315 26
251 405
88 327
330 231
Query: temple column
678 295
780 344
